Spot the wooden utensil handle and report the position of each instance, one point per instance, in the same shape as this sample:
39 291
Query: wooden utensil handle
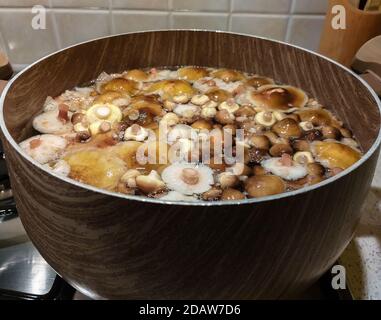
360 26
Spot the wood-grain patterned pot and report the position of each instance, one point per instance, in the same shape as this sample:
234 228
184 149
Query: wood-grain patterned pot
115 246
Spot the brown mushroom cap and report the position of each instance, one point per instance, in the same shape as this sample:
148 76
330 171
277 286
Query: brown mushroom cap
130 87
218 95
287 128
212 194
172 88
280 98
202 124
334 154
330 132
192 73
136 75
280 148
258 81
232 194
228 75
317 116
259 141
264 185
96 167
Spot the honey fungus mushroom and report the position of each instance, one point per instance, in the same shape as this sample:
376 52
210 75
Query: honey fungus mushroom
44 148
179 91
281 98
151 183
96 167
228 75
130 87
188 178
192 73
317 116
264 185
258 81
287 128
335 154
143 109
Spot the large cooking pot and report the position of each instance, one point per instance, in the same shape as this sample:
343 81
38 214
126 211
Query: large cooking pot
118 246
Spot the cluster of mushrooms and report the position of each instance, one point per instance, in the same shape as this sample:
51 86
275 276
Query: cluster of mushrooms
93 133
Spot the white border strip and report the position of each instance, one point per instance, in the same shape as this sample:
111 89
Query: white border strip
365 157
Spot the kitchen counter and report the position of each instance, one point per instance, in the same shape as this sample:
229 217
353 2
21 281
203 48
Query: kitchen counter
362 258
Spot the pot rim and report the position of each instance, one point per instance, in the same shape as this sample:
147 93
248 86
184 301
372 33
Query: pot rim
143 199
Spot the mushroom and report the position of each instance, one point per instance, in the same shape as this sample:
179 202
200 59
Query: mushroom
96 167
218 95
229 106
330 132
44 148
208 112
317 116
202 124
289 170
258 81
227 180
60 167
170 119
147 107
129 178
136 75
335 154
301 145
200 99
130 87
228 75
136 132
287 128
315 169
103 112
264 185
169 89
224 117
151 183
49 122
280 148
265 118
187 111
306 125
245 111
115 97
232 194
188 178
259 170
181 131
213 194
192 73
303 157
259 141
281 98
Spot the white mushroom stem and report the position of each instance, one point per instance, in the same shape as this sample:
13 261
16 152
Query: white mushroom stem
136 132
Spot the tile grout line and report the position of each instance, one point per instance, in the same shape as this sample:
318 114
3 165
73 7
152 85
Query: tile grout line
289 22
56 32
230 18
171 21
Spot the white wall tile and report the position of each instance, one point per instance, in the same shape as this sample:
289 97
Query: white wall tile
308 6
260 25
77 26
305 31
140 4
125 21
104 4
201 5
200 21
262 6
23 3
24 43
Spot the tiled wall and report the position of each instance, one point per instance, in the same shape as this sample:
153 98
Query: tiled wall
72 21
